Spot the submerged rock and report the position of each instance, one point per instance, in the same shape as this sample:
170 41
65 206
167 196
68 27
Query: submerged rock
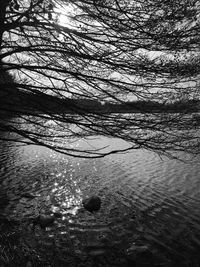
92 204
44 220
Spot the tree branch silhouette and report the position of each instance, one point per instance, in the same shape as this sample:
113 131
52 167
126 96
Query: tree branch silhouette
120 69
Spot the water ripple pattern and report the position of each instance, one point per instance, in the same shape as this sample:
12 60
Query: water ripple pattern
157 200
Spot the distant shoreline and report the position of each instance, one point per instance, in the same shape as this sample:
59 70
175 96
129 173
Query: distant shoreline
13 100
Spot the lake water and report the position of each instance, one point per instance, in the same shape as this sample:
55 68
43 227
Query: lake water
146 200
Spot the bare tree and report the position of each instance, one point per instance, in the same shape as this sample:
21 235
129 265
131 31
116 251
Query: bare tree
122 69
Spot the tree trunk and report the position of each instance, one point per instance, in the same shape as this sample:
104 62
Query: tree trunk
3 6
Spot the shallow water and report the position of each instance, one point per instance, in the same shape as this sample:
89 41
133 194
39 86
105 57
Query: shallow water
146 200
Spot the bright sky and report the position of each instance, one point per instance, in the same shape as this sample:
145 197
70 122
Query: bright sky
65 12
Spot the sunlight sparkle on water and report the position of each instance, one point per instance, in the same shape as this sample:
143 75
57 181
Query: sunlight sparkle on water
67 192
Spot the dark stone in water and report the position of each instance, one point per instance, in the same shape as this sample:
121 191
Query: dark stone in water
92 204
44 220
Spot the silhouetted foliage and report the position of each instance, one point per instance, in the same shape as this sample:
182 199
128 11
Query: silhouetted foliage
120 68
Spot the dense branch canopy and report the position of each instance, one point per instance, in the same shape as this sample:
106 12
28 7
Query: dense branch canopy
119 68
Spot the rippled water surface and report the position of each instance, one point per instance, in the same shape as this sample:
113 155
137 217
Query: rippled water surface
146 200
